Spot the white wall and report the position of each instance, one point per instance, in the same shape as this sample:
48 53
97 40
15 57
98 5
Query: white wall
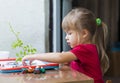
30 18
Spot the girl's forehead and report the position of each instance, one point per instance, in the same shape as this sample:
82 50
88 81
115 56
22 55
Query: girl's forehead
70 30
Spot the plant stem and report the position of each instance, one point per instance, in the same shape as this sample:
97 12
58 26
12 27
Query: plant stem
12 30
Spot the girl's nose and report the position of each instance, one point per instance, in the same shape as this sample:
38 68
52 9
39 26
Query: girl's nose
66 37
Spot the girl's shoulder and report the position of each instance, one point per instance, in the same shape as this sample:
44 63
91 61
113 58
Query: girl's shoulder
85 46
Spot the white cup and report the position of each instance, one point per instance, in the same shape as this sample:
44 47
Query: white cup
4 54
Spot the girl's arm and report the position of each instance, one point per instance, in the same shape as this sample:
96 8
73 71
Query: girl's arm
51 57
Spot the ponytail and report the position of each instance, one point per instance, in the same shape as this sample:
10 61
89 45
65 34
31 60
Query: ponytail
100 39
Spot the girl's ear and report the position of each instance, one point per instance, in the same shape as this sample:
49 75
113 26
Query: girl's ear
85 33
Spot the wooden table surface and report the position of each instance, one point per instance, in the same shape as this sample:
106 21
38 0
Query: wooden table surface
64 75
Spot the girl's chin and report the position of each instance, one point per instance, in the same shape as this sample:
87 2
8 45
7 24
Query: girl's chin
71 46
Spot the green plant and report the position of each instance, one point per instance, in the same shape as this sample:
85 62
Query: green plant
24 49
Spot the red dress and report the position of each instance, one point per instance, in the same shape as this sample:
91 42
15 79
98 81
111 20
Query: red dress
88 61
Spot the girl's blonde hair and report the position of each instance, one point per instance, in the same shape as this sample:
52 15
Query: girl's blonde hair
81 18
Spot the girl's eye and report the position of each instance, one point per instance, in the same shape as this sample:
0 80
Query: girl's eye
69 33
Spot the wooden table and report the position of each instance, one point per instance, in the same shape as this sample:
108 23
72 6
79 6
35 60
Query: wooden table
64 75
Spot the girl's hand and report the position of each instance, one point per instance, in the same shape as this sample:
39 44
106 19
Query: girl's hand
27 60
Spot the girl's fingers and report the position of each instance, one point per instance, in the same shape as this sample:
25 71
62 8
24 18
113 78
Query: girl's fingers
30 62
24 62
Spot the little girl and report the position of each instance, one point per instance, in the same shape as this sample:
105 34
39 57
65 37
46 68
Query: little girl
86 35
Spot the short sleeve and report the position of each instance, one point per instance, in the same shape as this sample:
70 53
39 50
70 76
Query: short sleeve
82 52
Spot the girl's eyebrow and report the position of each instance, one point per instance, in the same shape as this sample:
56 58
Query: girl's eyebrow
68 31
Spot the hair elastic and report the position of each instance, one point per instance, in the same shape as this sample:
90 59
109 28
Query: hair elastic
98 21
